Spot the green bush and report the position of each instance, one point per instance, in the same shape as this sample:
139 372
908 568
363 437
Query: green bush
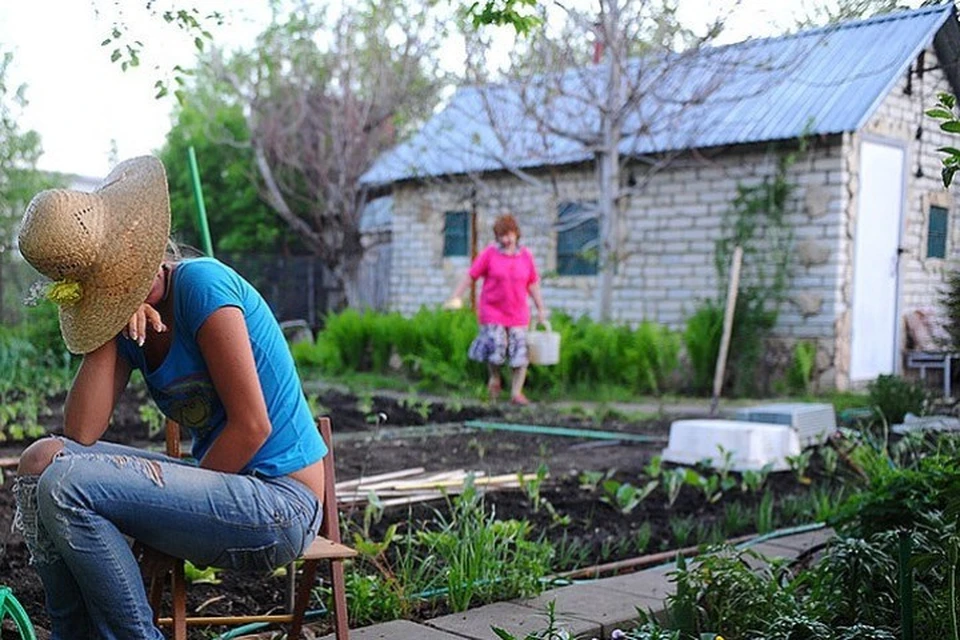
800 372
893 398
431 347
702 339
752 323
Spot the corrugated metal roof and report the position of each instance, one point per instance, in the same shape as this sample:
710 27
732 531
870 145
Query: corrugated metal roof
822 81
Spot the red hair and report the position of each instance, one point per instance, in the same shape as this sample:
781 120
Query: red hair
505 224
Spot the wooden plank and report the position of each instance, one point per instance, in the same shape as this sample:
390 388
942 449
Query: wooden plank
482 481
346 484
727 328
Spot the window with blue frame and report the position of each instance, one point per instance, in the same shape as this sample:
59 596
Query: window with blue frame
456 234
578 239
937 232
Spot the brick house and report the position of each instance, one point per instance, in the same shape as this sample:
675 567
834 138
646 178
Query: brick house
874 231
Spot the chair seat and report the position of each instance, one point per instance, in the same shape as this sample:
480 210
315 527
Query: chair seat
322 549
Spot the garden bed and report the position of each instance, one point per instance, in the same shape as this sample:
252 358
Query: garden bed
585 528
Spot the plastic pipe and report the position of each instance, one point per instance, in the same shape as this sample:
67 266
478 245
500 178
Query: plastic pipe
562 431
9 605
781 533
202 225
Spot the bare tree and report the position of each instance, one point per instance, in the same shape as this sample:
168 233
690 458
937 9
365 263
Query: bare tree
319 113
613 88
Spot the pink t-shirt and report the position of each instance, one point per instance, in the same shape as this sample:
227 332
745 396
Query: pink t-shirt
506 282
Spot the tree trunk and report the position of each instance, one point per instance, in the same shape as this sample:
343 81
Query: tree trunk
608 164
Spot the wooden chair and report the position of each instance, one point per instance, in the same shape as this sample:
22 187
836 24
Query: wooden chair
326 547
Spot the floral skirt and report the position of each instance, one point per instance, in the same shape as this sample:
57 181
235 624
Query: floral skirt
497 344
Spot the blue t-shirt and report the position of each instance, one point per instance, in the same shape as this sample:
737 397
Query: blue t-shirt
181 385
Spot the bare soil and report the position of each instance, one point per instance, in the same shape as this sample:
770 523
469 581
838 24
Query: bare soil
367 446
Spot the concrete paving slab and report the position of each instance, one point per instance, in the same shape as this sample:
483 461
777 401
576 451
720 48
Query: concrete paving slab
652 583
517 619
801 542
397 630
769 554
609 608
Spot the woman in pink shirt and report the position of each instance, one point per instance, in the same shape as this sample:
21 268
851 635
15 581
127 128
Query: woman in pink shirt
509 276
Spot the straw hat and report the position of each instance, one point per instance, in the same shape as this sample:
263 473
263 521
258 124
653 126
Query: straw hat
102 249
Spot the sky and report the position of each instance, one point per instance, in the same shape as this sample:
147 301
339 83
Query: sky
89 112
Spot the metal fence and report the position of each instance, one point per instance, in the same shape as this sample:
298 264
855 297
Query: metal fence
295 287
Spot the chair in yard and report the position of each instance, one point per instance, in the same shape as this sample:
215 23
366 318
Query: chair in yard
926 340
326 548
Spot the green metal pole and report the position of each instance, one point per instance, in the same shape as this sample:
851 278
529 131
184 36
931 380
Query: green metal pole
202 225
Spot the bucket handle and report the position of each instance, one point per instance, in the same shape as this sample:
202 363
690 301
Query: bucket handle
545 323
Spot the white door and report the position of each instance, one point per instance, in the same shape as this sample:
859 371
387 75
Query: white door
873 345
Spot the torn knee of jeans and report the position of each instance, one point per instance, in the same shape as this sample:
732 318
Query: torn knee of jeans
150 468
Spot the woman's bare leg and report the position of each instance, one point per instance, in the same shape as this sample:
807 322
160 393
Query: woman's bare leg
494 384
516 384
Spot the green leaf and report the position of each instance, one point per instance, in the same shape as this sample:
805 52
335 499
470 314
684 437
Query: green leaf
953 126
951 150
947 175
115 55
947 99
942 114
106 42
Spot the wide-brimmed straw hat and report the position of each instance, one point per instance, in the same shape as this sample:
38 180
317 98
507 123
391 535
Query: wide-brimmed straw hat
102 249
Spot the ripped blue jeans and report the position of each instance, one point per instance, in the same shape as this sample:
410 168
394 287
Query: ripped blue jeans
77 516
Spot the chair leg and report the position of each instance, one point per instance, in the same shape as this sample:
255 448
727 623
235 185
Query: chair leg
156 595
303 598
340 621
178 592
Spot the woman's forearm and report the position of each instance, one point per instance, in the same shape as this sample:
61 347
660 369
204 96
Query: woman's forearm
537 298
463 285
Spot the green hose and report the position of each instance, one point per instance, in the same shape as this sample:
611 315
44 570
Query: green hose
563 431
10 606
257 626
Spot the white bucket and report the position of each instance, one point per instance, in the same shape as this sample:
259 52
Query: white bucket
543 347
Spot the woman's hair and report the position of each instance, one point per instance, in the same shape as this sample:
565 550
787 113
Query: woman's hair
505 224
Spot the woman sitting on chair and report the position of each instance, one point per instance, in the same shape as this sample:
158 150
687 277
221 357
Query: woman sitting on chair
213 358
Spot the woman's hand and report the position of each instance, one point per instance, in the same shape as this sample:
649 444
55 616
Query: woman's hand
136 328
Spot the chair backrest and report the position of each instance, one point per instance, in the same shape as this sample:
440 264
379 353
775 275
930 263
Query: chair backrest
330 527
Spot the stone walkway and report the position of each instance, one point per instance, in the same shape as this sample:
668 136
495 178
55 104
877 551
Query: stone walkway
591 609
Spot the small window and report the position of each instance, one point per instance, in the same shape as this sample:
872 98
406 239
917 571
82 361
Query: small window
578 239
937 233
456 234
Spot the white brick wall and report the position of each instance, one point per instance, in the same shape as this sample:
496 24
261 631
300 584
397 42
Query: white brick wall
669 248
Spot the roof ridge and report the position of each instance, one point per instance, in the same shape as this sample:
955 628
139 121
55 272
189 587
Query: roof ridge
854 23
